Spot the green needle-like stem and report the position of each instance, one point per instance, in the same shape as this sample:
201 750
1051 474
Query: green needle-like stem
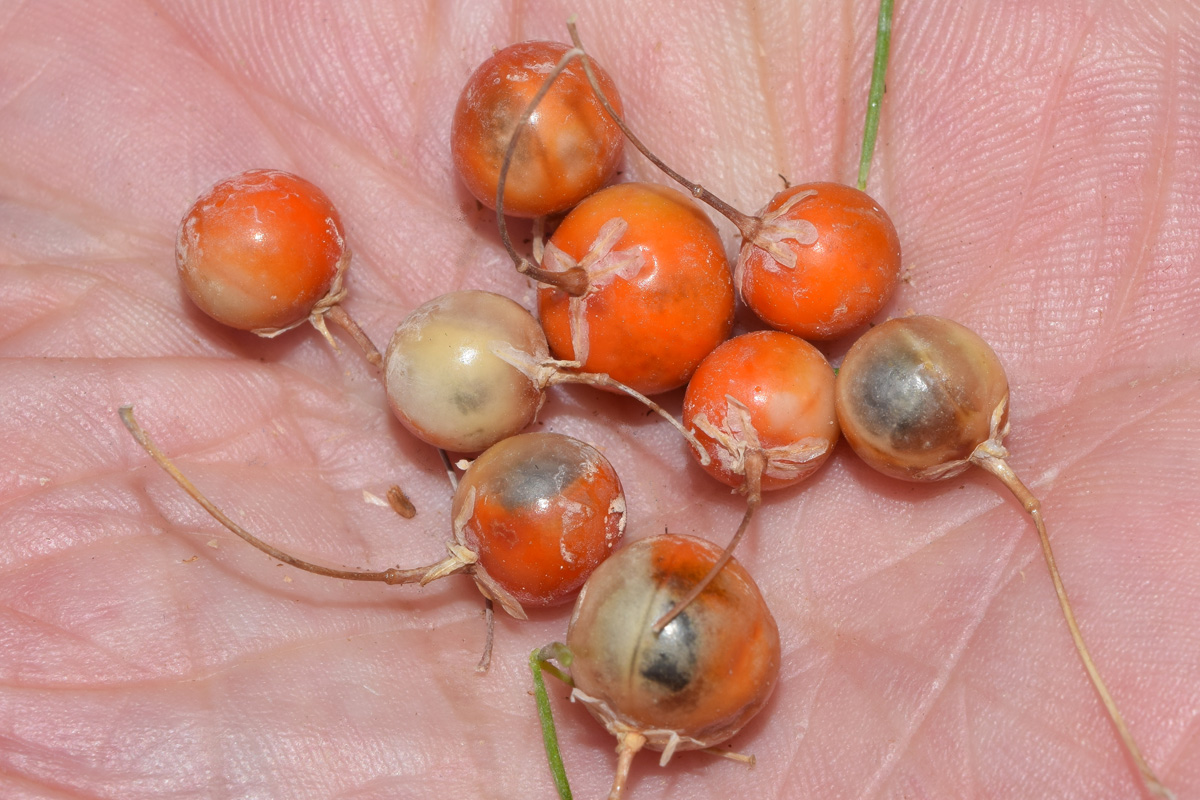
538 663
883 42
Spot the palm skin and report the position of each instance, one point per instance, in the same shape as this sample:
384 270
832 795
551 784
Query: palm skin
1038 165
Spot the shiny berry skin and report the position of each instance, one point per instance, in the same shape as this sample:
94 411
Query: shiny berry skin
445 382
647 326
258 250
569 149
776 383
917 395
542 510
847 269
705 676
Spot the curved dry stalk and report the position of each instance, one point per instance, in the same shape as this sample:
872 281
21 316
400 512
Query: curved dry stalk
340 317
747 225
547 372
755 462
449 565
329 308
574 281
999 467
602 379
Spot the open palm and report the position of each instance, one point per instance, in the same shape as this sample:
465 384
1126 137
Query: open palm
1040 164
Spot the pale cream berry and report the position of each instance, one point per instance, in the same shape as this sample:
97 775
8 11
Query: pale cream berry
446 380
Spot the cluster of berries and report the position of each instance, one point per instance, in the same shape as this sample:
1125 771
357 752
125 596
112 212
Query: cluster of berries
670 645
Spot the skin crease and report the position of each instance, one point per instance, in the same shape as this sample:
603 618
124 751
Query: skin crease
1038 162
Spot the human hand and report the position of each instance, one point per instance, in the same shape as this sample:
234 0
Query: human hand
1036 163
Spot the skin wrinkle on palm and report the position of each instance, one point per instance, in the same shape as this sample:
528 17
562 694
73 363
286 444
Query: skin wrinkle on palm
1037 164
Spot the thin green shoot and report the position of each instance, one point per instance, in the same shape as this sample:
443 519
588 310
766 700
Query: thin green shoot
883 42
539 662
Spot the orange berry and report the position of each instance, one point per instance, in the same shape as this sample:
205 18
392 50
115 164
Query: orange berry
569 149
542 510
769 391
660 295
709 671
847 258
259 250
